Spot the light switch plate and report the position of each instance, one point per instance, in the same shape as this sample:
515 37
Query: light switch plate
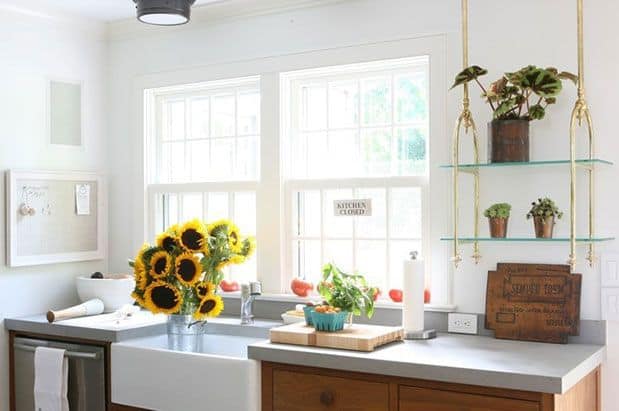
610 270
610 304
462 323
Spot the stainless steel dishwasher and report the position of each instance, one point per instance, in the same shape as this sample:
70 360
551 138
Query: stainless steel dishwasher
86 390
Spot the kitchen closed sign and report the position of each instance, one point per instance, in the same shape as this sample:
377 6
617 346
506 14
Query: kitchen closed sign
350 208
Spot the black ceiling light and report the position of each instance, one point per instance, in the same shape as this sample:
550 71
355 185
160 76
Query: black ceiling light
164 12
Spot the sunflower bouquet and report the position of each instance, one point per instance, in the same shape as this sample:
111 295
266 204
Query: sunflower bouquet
180 273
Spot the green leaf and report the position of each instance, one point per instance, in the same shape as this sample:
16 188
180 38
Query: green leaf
468 74
505 107
537 112
542 82
566 75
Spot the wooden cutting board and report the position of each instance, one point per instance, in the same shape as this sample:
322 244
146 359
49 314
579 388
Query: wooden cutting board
533 302
358 337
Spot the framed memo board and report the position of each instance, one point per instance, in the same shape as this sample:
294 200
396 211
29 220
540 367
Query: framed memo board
55 217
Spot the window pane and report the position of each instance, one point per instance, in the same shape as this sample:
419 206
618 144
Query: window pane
223 115
313 108
374 226
192 206
222 158
411 98
306 214
246 166
376 101
400 252
410 151
217 206
172 210
306 260
343 154
199 118
372 262
245 212
339 252
406 213
174 120
318 164
249 113
173 164
336 226
343 104
199 152
376 152
244 273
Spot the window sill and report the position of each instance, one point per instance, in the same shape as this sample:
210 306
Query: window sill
381 303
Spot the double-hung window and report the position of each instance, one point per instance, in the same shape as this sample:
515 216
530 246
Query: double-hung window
357 132
350 132
203 156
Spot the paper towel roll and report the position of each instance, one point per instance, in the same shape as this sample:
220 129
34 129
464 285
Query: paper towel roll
412 299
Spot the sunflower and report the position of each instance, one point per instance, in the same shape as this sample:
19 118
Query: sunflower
140 256
139 273
237 259
205 288
161 297
188 269
167 240
234 238
210 306
193 236
138 298
218 225
249 246
160 264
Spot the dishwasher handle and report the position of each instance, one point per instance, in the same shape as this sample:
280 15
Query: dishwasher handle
68 354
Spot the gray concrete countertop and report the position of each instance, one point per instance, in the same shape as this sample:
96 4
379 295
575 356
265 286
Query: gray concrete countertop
474 360
104 327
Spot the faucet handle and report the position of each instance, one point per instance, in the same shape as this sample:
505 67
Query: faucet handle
255 288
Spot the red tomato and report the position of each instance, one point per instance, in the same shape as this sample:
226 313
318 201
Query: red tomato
395 295
300 287
426 296
228 286
377 293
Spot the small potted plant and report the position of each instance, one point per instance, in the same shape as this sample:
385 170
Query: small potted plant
544 213
516 99
498 217
345 295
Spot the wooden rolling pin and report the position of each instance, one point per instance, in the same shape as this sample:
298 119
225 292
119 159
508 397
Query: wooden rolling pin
90 307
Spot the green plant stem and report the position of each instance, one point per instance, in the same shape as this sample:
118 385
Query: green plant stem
485 92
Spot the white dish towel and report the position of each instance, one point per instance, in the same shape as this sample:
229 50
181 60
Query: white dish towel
51 378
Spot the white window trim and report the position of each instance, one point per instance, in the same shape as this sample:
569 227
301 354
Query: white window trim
271 262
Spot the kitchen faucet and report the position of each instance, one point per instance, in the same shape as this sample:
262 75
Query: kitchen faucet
248 294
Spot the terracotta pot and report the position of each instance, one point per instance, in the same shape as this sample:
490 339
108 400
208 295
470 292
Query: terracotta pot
498 227
508 141
544 226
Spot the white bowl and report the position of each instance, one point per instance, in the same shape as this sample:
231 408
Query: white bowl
114 290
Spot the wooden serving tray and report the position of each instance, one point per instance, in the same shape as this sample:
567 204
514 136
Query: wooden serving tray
358 337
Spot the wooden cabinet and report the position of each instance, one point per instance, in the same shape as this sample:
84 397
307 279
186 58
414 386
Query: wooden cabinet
300 391
294 388
423 399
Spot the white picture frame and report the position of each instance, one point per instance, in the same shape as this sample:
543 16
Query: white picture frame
14 194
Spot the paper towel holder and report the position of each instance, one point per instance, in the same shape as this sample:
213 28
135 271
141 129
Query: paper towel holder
423 334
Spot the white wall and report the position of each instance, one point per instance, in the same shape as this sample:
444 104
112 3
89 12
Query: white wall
544 37
33 49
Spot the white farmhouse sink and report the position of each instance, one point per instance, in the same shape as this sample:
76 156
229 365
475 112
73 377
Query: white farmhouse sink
146 374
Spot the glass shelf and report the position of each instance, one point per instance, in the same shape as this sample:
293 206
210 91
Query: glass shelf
531 164
581 240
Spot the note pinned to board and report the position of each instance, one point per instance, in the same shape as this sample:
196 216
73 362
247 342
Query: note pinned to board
82 199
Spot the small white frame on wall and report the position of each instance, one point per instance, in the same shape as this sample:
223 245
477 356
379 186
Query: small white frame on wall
55 217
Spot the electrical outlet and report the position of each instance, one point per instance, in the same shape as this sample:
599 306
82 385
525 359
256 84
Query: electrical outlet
462 323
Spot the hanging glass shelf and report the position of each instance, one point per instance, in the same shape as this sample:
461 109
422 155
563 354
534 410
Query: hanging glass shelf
584 163
581 240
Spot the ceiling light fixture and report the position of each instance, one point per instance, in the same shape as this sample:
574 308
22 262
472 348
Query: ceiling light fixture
164 12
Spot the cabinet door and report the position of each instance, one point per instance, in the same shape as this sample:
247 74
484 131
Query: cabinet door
423 399
295 391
